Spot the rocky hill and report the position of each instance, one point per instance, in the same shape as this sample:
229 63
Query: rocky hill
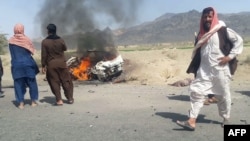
168 28
179 27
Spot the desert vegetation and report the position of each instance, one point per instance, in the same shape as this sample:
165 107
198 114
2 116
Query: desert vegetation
146 64
3 44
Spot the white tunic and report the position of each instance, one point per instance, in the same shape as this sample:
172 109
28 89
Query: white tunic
213 78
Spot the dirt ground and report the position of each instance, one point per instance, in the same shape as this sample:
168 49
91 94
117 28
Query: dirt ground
143 107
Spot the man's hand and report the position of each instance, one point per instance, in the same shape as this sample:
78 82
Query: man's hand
224 60
43 69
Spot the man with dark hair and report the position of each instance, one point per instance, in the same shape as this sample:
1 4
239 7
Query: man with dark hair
54 65
51 28
210 64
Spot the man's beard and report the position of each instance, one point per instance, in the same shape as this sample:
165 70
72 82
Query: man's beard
207 26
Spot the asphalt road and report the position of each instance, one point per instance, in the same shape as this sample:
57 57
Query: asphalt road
116 112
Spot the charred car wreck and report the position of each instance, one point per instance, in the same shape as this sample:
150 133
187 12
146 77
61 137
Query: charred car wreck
97 58
104 70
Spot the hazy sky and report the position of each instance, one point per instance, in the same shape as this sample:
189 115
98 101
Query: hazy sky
24 11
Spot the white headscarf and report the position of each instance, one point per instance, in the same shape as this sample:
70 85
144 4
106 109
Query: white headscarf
222 23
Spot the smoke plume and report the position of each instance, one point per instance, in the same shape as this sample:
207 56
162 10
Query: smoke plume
73 16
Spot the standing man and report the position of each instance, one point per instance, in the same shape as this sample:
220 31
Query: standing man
23 67
210 64
54 65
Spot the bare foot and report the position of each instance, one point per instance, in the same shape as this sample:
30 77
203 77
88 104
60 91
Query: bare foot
212 100
33 104
59 103
206 102
21 105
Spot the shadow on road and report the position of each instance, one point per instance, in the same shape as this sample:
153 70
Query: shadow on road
179 97
26 101
247 93
175 116
48 99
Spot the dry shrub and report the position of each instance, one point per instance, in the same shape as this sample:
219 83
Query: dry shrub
171 53
247 61
5 61
170 73
132 78
167 74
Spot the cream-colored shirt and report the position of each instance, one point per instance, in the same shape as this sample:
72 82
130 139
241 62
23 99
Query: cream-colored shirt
211 77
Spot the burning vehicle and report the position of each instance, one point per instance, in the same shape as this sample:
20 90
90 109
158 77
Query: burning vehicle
104 70
99 58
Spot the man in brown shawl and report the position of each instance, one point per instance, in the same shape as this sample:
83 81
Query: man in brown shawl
54 65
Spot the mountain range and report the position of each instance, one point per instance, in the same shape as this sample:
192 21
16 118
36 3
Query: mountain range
177 27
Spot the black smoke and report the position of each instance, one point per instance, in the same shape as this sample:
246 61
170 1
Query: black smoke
73 16
97 45
79 23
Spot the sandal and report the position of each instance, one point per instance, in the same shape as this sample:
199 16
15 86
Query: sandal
70 101
225 122
58 104
185 125
212 100
206 102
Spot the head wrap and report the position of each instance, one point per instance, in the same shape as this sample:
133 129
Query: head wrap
20 39
222 23
203 37
215 21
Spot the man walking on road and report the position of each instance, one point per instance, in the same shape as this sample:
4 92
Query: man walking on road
212 65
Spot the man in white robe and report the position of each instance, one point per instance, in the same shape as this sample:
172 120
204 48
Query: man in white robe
213 75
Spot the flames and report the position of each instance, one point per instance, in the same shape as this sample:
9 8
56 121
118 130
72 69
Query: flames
103 70
81 72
